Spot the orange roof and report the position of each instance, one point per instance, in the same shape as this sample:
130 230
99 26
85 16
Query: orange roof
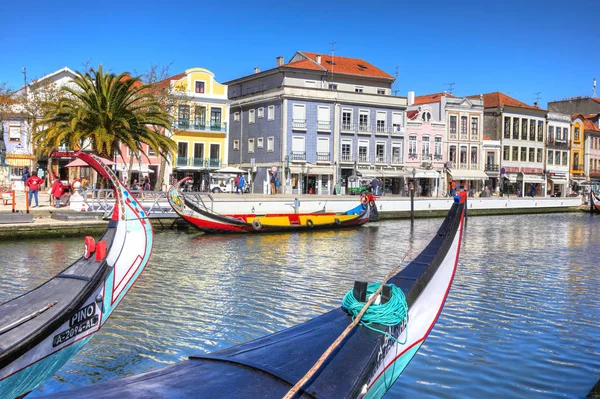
589 124
491 100
337 64
412 114
165 83
4 99
596 99
431 98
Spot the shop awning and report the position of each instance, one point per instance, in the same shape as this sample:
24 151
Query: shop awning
468 174
382 173
19 160
558 181
425 174
512 177
312 170
527 178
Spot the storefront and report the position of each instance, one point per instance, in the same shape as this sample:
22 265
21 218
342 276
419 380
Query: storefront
18 162
469 179
427 182
392 180
557 183
310 179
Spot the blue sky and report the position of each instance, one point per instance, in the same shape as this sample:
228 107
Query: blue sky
517 47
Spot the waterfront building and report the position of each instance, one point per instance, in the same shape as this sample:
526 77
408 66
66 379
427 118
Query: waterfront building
577 151
463 138
591 150
425 150
19 152
317 120
557 153
492 151
520 128
200 129
576 105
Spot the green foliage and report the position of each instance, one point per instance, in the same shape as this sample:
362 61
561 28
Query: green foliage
107 110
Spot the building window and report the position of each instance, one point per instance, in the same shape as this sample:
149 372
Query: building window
298 148
299 116
14 133
261 112
324 119
523 154
151 152
396 153
473 157
358 89
515 153
531 130
259 142
412 146
453 125
346 151
558 134
463 155
310 83
271 112
506 127
363 151
540 135
396 122
251 116
270 144
523 129
474 128
199 87
540 155
183 116
250 145
182 153
381 91
576 133
215 117
381 117
506 153
452 155
426 116
198 154
200 117
236 145
346 119
576 165
565 154
550 157
236 116
532 155
323 149
515 132
438 148
463 127
332 86
380 153
550 134
363 120
425 147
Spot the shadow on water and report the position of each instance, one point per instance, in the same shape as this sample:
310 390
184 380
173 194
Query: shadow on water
521 320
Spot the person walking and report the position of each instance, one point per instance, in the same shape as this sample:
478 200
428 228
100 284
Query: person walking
374 184
241 184
273 181
532 190
56 191
33 184
419 190
237 184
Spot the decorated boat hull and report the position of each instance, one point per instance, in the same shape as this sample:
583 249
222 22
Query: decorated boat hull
596 201
42 329
364 365
200 216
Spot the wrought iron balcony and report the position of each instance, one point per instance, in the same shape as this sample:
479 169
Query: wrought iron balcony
324 125
299 124
182 161
553 142
200 163
396 160
453 136
199 125
426 157
323 157
363 158
364 128
474 165
380 159
492 167
298 156
382 129
348 127
346 157
437 157
412 156
214 163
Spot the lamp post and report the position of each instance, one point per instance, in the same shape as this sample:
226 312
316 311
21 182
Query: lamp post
412 197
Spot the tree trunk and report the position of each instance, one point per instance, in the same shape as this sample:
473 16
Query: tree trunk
130 180
161 174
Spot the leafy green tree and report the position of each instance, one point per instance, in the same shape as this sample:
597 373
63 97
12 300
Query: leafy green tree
105 110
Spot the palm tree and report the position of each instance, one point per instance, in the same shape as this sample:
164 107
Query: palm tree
107 110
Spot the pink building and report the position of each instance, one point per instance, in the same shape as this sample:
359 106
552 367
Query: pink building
143 165
424 151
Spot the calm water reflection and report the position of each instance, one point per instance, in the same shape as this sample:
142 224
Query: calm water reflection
522 319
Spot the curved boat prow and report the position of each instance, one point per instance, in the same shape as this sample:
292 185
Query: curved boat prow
33 343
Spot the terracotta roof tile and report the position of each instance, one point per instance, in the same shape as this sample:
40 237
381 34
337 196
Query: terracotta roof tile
305 64
412 114
342 65
588 125
596 99
431 98
492 100
165 83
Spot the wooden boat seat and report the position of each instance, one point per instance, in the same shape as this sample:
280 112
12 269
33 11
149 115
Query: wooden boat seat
54 300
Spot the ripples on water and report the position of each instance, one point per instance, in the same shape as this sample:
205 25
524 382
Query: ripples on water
522 319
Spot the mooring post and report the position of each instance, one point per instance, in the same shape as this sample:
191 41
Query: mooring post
27 201
412 204
14 201
591 203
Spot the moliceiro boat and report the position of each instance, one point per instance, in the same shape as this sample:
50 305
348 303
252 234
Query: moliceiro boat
196 212
365 364
596 201
43 328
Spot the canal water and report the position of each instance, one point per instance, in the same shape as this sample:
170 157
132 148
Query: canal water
522 318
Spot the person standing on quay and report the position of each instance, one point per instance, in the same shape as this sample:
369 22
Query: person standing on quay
273 180
532 190
237 184
33 184
241 184
56 191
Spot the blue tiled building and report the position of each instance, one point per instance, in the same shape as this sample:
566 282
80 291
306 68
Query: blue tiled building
317 120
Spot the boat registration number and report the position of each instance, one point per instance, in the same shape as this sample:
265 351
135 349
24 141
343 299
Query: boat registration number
83 320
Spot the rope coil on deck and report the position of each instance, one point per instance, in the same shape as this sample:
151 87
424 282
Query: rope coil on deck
391 313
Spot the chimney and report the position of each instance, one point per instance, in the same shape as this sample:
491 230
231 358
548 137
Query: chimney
279 61
319 59
256 70
411 98
535 104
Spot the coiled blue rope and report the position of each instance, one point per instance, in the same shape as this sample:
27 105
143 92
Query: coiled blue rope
388 314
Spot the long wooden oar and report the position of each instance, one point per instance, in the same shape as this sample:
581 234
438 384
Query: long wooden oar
343 335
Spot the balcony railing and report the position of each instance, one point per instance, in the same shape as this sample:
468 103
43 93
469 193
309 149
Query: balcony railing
200 163
382 129
380 159
557 143
298 156
323 157
474 137
452 164
412 156
299 124
364 128
363 158
396 160
324 126
426 157
348 127
453 136
346 157
200 125
437 157
578 167
489 167
474 166
464 136
462 166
